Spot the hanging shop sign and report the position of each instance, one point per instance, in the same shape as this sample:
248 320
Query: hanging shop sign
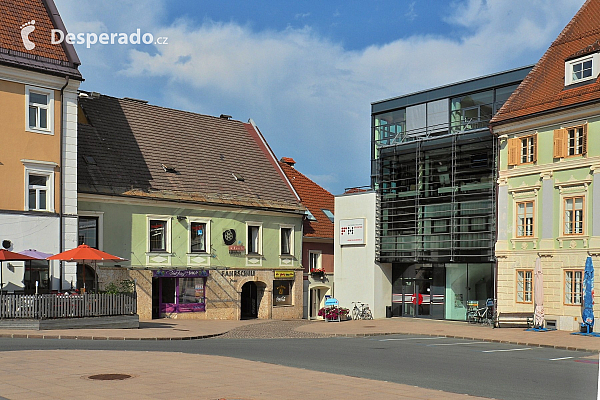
352 231
238 272
229 237
179 273
284 274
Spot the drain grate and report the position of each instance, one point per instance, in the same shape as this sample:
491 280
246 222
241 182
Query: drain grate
109 377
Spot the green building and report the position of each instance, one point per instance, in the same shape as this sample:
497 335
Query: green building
210 226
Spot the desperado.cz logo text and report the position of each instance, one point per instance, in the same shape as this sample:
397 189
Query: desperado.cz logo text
91 38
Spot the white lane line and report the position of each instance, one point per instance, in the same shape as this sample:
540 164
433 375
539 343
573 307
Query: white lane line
494 351
414 338
454 344
561 358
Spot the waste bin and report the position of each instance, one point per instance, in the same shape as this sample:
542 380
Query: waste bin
388 311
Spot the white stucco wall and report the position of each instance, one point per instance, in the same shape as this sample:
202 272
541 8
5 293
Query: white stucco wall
27 232
357 276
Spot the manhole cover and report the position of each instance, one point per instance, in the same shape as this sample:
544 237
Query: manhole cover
109 377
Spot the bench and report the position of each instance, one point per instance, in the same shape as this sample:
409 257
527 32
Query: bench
512 319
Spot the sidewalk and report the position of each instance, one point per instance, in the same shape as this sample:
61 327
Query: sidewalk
160 375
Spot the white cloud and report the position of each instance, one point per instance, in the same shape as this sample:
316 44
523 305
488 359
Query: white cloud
309 95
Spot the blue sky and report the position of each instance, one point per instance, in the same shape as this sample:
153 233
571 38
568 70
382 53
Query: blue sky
307 71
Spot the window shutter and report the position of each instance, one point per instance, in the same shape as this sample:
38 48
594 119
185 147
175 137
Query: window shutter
584 140
513 151
535 148
559 143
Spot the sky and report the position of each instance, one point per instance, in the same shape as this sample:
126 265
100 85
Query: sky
306 72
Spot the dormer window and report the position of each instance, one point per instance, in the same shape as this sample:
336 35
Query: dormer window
582 69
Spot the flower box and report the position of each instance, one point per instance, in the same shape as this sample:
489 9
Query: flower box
334 313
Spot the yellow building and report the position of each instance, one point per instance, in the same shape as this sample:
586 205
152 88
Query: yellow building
38 136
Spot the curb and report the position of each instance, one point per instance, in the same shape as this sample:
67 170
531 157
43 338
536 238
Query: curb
76 337
550 346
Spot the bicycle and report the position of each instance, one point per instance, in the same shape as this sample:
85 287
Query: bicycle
361 312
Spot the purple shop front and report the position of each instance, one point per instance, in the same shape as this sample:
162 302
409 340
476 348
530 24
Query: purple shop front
181 291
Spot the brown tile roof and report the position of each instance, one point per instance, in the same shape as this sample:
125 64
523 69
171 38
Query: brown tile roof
313 197
543 89
130 148
45 56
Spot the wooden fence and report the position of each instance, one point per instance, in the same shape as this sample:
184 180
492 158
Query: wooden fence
47 306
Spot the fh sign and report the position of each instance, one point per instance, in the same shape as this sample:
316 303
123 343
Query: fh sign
352 231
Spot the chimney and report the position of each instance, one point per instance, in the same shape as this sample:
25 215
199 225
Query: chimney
289 161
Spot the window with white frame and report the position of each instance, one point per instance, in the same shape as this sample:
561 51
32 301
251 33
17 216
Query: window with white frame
40 107
159 229
199 236
582 69
314 260
286 234
573 287
253 238
39 185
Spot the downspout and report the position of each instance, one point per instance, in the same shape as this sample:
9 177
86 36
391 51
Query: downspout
62 182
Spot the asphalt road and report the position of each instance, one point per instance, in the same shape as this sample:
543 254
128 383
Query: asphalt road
501 371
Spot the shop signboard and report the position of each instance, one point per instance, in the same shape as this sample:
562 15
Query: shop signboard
284 274
180 273
331 302
352 231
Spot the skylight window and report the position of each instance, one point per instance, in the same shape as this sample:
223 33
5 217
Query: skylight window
309 215
329 214
237 177
169 168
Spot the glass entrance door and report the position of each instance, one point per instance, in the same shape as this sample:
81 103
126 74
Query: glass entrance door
417 297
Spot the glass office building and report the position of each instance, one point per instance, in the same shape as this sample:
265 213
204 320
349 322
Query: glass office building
434 169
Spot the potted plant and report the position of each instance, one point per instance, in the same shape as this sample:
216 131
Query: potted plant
334 313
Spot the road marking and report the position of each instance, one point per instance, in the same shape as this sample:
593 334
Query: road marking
454 344
561 358
415 338
494 351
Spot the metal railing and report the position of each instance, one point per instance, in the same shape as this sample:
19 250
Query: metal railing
49 306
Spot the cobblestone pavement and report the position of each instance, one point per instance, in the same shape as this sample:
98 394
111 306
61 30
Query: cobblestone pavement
272 330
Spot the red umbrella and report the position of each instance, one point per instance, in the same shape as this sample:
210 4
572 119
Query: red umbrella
6 255
83 254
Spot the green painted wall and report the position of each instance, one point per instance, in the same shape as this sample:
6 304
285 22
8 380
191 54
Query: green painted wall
126 233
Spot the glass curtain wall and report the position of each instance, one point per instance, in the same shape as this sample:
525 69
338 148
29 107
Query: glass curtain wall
467 285
437 204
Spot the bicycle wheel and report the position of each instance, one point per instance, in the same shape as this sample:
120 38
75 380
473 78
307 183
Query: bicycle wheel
355 313
367 314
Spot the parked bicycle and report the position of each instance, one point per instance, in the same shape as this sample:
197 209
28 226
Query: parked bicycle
482 315
361 311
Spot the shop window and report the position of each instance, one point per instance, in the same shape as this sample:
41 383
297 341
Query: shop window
158 235
88 231
570 142
573 287
40 105
254 233
198 234
522 150
191 290
574 214
524 286
287 240
282 293
525 219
